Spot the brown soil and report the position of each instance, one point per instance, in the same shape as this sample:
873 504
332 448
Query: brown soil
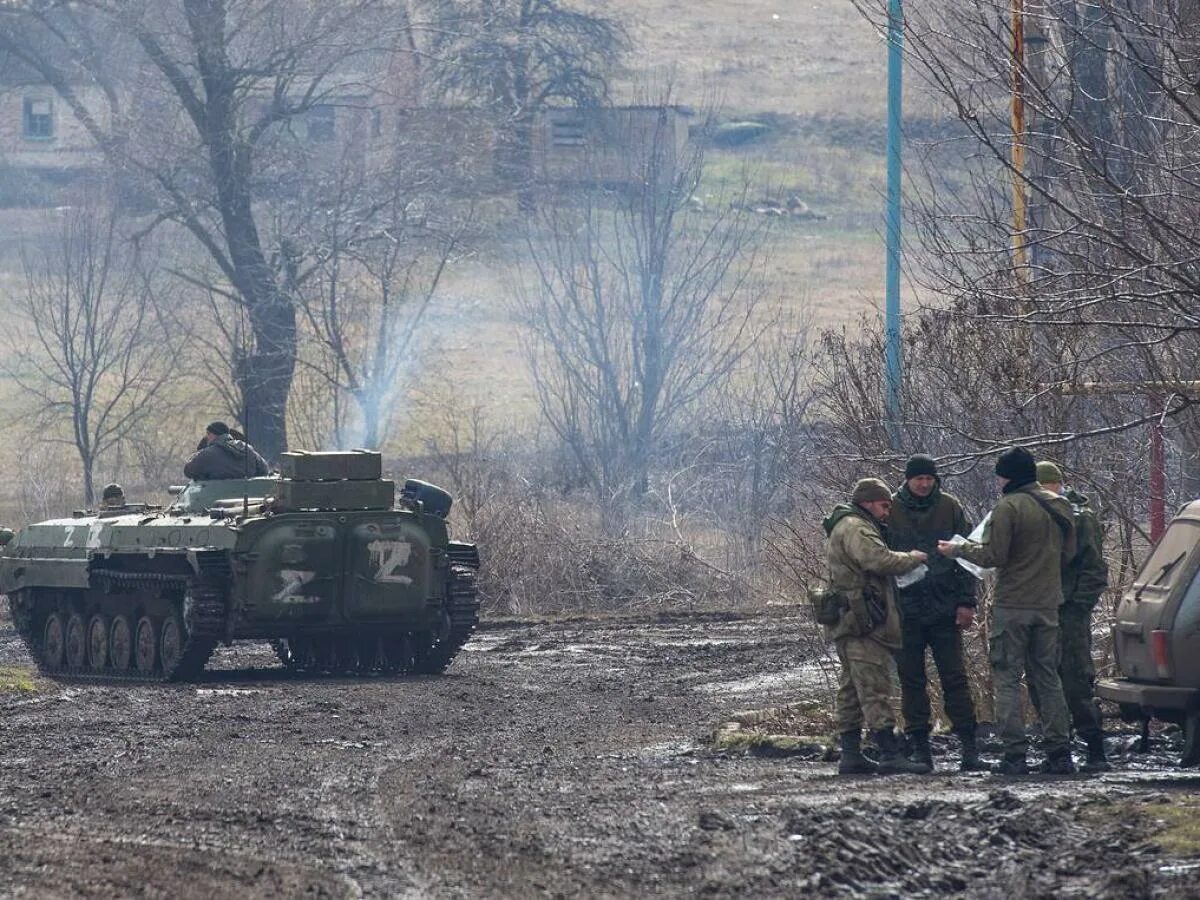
555 759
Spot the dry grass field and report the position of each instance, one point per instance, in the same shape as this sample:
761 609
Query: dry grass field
814 72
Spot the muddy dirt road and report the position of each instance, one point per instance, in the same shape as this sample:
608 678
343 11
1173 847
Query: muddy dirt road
555 759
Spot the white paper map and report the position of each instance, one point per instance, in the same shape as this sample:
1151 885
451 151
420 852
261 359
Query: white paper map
977 536
911 578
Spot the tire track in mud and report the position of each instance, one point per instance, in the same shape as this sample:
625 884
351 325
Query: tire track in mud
556 758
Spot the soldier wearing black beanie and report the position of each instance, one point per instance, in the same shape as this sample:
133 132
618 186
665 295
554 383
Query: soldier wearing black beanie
920 464
933 611
1018 466
1030 536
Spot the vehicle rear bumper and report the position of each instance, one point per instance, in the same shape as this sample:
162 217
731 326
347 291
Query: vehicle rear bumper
1147 696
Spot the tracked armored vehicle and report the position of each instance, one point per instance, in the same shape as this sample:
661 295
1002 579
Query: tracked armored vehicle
324 561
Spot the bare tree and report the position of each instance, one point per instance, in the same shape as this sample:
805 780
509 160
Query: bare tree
517 57
88 348
385 241
638 305
1099 273
190 99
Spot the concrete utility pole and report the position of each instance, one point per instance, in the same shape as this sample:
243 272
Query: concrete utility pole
892 280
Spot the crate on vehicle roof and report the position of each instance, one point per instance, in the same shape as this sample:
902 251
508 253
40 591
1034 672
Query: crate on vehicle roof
337 465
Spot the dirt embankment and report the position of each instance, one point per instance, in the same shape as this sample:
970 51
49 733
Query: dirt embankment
559 759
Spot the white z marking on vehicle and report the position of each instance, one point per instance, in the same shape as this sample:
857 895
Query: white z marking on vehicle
95 531
294 581
387 558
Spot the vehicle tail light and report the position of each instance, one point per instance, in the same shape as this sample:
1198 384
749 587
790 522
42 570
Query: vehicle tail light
1159 652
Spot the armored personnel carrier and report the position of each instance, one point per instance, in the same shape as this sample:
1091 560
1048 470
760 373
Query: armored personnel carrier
324 561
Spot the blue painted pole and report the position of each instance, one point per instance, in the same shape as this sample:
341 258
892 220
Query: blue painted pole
892 283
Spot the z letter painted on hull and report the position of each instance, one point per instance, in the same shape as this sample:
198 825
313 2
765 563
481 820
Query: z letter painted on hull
387 558
293 581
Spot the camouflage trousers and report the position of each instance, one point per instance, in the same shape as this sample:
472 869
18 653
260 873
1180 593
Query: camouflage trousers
865 685
1076 669
1025 641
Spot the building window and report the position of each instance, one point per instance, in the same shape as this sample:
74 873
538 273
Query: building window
39 119
567 132
321 123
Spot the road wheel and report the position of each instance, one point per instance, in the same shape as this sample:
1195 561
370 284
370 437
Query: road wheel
375 654
54 642
401 654
304 649
97 640
120 644
76 641
145 646
325 654
1191 740
170 644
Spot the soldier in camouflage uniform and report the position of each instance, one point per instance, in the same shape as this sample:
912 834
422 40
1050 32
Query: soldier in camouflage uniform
860 570
933 611
1085 578
1030 534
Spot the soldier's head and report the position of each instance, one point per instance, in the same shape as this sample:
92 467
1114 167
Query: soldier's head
920 474
113 496
215 430
873 496
1015 467
1050 476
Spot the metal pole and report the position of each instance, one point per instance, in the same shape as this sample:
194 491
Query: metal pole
892 283
1018 142
1158 476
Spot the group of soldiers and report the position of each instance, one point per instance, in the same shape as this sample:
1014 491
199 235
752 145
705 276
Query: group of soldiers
1045 545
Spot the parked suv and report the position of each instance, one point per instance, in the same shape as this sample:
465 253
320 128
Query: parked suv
1156 635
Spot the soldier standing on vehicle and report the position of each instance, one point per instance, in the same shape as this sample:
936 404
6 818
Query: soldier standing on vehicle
222 456
868 629
1085 577
1030 533
933 611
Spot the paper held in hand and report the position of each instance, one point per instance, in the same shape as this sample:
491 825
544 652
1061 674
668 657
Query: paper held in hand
911 578
976 536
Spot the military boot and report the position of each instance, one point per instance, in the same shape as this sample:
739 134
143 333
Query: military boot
852 761
970 753
1012 764
1097 761
1058 762
891 760
920 751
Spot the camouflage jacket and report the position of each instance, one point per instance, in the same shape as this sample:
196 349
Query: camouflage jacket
1030 534
225 458
1085 577
862 566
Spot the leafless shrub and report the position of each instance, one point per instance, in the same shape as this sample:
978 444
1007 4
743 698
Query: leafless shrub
88 346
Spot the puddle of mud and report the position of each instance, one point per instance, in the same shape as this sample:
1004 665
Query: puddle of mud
1176 869
809 677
